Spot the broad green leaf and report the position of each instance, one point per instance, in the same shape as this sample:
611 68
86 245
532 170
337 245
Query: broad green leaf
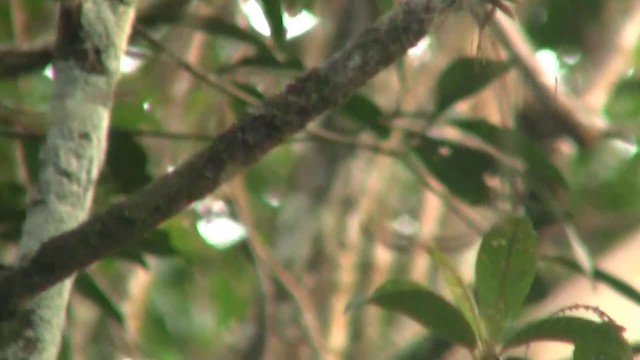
465 77
365 112
273 12
460 168
505 268
592 340
427 308
89 288
512 142
619 285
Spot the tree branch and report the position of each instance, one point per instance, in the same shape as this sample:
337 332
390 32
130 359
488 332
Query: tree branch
551 108
256 133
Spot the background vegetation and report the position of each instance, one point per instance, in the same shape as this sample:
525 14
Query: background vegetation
476 123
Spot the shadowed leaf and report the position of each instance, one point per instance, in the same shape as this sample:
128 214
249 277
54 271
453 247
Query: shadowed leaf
89 288
465 77
592 340
460 168
427 308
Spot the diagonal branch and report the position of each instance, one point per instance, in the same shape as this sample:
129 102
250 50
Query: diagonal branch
256 133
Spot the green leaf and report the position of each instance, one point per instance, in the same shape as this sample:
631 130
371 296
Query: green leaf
240 105
624 105
133 256
459 291
505 268
592 340
465 77
460 168
273 12
262 60
364 111
216 26
620 286
562 24
427 308
158 242
512 142
89 288
126 163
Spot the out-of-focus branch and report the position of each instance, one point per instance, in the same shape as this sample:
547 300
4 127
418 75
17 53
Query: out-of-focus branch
551 109
156 134
210 80
15 61
614 55
257 132
267 262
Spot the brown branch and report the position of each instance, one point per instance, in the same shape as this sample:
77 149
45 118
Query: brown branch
16 61
551 108
255 134
267 262
614 55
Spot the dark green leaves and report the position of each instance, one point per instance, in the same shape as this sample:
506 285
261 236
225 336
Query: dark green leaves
592 340
89 288
464 77
219 27
365 112
513 143
273 12
460 168
505 269
427 308
126 163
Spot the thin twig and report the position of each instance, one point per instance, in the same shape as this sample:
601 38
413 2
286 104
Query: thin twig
212 81
265 260
580 123
412 165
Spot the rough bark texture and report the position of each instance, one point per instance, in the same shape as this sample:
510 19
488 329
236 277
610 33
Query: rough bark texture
256 133
91 37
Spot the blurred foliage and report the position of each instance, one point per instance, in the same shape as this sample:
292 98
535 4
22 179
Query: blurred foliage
175 295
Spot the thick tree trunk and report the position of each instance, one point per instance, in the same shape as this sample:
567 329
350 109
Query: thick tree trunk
91 37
